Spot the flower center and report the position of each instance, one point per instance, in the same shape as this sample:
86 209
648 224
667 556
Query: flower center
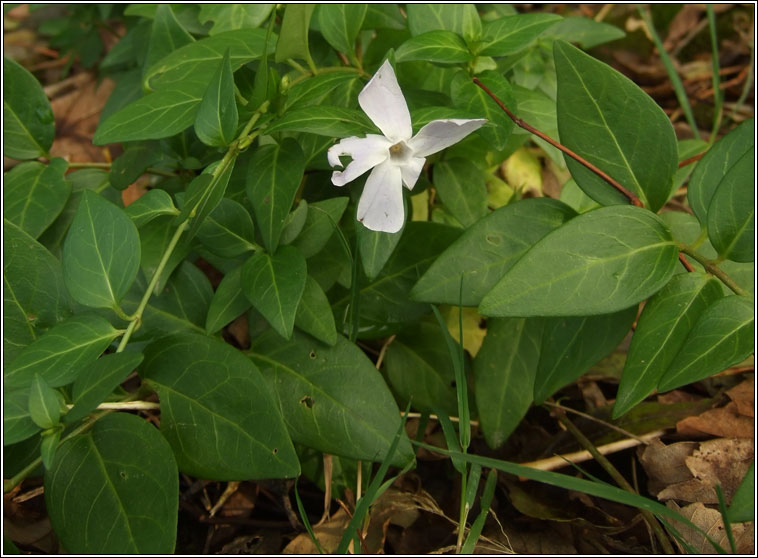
400 152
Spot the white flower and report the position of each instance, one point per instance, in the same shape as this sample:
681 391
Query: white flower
396 158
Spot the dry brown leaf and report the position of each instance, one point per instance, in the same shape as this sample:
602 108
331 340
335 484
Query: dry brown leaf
664 464
709 520
724 422
743 396
681 25
328 534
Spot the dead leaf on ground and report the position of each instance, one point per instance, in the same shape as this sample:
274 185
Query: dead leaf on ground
664 464
743 396
725 422
709 520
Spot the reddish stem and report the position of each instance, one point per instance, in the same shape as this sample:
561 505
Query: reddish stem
692 159
521 124
687 265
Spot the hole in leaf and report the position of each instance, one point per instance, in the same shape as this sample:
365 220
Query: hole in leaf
312 354
494 239
275 451
307 401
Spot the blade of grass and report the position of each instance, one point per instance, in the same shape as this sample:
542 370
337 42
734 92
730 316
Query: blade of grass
448 430
306 522
476 527
718 96
668 63
605 491
725 519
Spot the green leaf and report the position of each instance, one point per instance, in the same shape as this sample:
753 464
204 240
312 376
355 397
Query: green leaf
28 121
376 247
434 46
34 194
34 294
324 121
320 223
315 90
314 314
293 38
228 17
17 421
504 372
511 34
98 381
715 166
294 223
129 166
340 24
599 262
721 337
228 231
191 66
332 398
461 187
274 285
661 330
585 32
457 18
48 445
571 346
228 302
216 119
44 405
101 254
384 16
469 97
61 354
153 203
487 250
166 36
419 369
274 177
731 213
155 237
603 116
204 194
217 412
114 489
742 507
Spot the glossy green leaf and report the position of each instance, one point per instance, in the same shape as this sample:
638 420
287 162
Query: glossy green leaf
460 185
228 302
320 223
129 166
731 213
204 194
166 35
34 194
508 35
99 380
217 117
28 121
61 354
314 314
315 90
155 237
227 17
419 369
340 24
332 398
571 346
160 114
228 231
294 223
742 507
686 148
584 31
44 404
715 165
599 262
101 254
274 177
17 421
458 18
384 16
274 285
487 250
34 294
217 412
376 247
721 337
154 203
324 121
603 116
504 372
114 489
49 445
467 96
191 66
293 38
434 46
661 330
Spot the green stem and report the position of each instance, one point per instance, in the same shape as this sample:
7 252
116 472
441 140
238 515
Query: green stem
462 515
711 267
107 166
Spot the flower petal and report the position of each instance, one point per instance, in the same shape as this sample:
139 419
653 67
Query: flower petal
366 153
381 205
411 170
439 134
383 102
